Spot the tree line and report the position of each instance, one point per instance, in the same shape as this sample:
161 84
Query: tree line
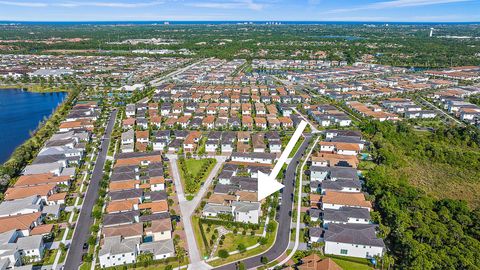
422 232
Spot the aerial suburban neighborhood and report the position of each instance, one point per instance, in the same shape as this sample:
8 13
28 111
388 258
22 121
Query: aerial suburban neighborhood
236 145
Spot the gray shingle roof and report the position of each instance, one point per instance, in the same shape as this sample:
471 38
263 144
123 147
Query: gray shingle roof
360 234
115 245
344 213
158 247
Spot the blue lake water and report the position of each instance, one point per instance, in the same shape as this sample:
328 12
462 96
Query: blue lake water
20 114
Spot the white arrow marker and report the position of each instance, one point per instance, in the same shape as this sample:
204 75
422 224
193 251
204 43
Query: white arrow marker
267 184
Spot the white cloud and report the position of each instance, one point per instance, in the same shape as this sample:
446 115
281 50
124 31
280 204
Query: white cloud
23 4
70 4
245 4
396 4
110 4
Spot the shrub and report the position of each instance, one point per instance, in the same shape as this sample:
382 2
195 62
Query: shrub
222 253
262 241
241 266
241 247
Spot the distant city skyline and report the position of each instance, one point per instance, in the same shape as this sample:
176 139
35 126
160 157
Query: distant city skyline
242 10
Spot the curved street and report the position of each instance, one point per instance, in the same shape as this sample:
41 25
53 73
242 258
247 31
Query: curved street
284 216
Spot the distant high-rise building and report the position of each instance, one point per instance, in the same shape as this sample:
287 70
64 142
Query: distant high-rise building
431 32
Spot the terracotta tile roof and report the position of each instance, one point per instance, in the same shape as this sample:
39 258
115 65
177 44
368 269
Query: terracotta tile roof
120 206
142 134
285 120
137 160
334 159
145 186
57 196
18 222
156 119
155 207
160 225
42 229
221 198
129 230
346 198
260 120
123 185
157 180
39 179
129 122
14 193
314 262
247 196
141 146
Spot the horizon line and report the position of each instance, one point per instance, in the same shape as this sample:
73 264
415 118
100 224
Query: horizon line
235 21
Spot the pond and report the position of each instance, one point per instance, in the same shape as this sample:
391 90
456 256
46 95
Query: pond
20 114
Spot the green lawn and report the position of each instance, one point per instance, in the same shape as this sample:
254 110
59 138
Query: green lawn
50 257
86 266
295 148
194 168
348 265
198 236
70 234
62 257
232 241
59 235
248 253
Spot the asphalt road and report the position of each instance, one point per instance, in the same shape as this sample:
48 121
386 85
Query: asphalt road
284 217
85 221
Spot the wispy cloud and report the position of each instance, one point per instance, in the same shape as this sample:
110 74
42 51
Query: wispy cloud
71 4
23 4
110 4
396 4
242 4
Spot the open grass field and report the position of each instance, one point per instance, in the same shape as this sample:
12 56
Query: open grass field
434 178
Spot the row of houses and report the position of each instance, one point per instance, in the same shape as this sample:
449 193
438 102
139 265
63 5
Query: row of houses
372 111
454 100
328 115
87 68
137 218
32 206
342 73
208 116
211 70
339 213
235 195
380 86
407 108
463 73
234 94
294 64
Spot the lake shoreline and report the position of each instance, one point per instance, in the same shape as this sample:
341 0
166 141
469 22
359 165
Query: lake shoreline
33 88
24 114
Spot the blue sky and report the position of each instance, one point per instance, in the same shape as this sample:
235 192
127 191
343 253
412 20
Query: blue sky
281 10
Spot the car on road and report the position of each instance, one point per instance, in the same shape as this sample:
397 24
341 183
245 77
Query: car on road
85 246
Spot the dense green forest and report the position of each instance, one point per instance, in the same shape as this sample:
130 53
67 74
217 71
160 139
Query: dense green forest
424 230
395 44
